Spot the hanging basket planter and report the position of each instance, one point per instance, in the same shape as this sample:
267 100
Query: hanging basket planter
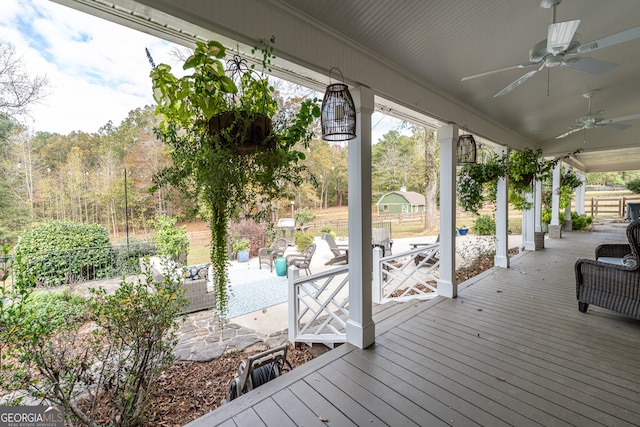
247 133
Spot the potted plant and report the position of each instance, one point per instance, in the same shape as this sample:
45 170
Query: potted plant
463 230
523 167
475 182
241 248
231 151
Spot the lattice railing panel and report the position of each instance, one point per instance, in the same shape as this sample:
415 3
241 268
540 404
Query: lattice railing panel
409 275
319 306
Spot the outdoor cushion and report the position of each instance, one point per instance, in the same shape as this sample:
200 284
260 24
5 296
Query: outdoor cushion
610 260
196 272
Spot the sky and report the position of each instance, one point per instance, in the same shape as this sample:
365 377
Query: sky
97 70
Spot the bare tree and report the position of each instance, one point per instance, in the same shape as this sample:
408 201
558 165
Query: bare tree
18 90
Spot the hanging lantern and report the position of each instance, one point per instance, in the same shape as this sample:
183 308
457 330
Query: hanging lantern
466 153
338 113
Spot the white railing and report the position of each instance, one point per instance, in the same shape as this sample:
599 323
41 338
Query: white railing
408 275
319 306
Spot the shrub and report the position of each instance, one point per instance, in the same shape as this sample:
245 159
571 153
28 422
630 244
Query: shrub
578 222
170 240
304 216
634 186
55 253
484 225
118 363
303 240
56 309
256 233
327 229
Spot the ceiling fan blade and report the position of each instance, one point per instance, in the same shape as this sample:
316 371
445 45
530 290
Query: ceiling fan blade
610 40
569 132
560 35
518 82
591 66
612 126
512 67
621 119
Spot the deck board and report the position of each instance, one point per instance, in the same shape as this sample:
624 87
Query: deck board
271 413
321 407
435 403
512 349
345 402
296 409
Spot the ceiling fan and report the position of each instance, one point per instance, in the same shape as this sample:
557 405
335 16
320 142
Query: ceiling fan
597 120
560 44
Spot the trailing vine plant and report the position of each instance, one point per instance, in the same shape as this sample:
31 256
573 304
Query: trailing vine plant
476 182
232 150
523 168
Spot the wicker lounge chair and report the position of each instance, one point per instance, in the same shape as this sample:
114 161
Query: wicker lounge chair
340 252
302 260
612 280
197 289
276 250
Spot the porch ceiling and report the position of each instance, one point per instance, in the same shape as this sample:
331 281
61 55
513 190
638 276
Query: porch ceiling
415 53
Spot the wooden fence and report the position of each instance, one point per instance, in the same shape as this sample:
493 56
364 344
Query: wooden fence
614 206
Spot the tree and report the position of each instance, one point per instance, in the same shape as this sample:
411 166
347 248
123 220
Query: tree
431 172
18 90
634 186
390 158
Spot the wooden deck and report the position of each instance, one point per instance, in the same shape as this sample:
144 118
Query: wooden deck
512 349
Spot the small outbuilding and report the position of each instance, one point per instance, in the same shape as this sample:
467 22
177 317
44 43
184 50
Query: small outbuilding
401 202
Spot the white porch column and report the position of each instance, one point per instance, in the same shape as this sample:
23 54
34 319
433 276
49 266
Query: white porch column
528 224
360 327
501 258
568 223
448 138
580 194
537 206
554 226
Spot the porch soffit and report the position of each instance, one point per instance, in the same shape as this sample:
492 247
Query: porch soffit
418 69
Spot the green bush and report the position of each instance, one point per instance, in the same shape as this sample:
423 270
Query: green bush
170 240
118 364
54 253
303 240
578 222
304 216
634 186
55 309
484 225
327 229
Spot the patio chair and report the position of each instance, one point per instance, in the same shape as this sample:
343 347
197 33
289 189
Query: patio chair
381 237
198 289
276 250
612 280
340 252
302 260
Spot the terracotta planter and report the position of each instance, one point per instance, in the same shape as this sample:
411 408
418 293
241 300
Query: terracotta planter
253 133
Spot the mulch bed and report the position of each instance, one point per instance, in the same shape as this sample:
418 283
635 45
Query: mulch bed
189 390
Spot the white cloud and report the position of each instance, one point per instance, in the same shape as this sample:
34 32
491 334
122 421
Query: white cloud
97 70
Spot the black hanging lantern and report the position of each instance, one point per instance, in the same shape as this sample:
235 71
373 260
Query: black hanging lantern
466 153
338 113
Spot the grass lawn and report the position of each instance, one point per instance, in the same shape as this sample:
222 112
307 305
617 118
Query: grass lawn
200 239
